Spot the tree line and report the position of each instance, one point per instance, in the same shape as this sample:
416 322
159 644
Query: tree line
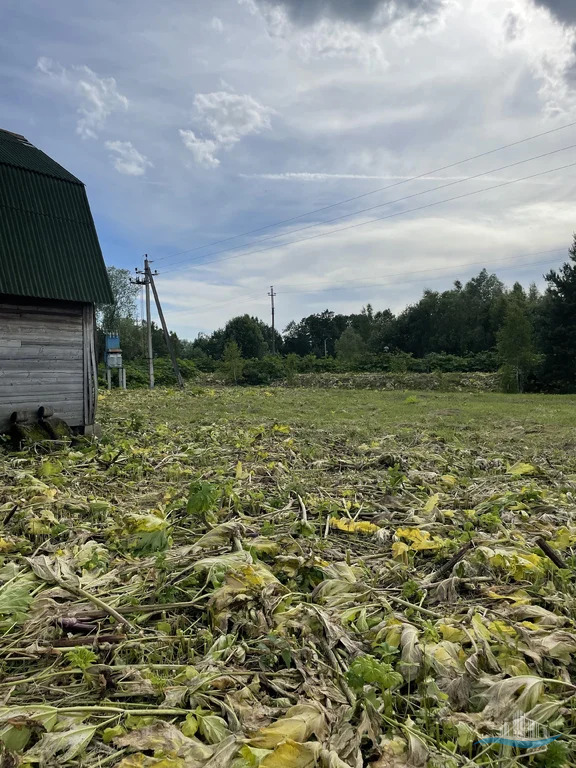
527 335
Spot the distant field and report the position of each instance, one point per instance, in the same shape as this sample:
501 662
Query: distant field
529 421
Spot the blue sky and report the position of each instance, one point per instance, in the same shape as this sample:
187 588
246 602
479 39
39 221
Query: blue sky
191 122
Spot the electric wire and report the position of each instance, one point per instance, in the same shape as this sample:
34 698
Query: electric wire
375 191
389 216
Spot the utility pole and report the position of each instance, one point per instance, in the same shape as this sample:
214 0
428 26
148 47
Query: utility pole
146 282
325 348
272 295
149 324
164 327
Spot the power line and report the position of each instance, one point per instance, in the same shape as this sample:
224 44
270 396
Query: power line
471 264
386 276
390 202
392 215
374 191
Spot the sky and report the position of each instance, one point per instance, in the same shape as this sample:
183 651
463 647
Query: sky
283 121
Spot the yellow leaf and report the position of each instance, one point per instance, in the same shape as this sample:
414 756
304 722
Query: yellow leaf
479 629
521 468
564 539
239 474
391 633
518 564
267 546
444 657
519 597
399 549
361 526
500 628
292 755
299 723
256 576
449 480
419 540
453 634
432 503
48 495
139 760
531 626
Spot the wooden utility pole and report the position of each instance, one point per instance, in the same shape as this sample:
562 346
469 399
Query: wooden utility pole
149 324
272 295
167 338
146 283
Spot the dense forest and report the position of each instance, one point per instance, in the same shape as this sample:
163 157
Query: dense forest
526 335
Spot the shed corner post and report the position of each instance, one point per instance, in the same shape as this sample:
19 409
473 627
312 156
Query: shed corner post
90 367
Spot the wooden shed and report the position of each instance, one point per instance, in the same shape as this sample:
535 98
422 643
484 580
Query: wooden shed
52 274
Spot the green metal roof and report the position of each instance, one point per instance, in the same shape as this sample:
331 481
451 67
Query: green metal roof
48 242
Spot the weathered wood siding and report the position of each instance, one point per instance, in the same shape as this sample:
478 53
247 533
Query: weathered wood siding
44 360
90 364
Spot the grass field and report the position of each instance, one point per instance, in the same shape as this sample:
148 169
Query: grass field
534 421
251 577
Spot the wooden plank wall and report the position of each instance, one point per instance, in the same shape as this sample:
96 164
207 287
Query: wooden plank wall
90 364
42 359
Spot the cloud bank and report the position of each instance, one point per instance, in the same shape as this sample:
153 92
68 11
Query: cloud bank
304 12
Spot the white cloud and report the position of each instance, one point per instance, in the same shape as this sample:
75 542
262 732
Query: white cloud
331 40
326 39
127 159
231 116
217 25
226 118
99 96
275 17
203 150
548 48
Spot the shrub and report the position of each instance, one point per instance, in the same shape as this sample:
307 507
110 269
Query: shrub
137 373
264 371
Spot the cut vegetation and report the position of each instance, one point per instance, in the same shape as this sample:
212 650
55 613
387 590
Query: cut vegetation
291 578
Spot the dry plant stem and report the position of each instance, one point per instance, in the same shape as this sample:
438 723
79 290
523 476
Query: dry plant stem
414 606
303 512
447 567
79 592
147 608
551 553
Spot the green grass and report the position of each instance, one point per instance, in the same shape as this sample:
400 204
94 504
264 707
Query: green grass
537 420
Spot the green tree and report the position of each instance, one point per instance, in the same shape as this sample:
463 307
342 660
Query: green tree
247 332
297 339
350 346
383 332
232 362
515 345
557 327
363 323
125 295
315 334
